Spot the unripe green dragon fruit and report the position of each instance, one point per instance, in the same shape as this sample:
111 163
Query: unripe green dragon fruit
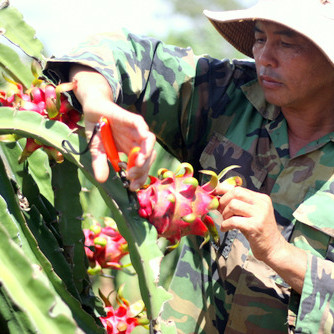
177 205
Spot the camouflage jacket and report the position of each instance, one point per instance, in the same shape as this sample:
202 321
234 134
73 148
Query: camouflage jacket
213 114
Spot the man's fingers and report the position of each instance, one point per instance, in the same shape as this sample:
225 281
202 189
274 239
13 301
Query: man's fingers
236 207
99 158
146 151
223 187
245 210
128 130
139 175
100 167
242 194
235 223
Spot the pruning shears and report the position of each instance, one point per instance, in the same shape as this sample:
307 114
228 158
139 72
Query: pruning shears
119 166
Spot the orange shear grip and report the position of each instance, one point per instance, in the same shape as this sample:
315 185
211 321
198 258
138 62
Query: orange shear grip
109 143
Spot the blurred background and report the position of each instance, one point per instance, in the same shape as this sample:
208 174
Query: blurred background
60 24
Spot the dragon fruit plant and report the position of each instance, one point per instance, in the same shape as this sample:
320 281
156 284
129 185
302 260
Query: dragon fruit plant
104 246
45 204
177 205
47 100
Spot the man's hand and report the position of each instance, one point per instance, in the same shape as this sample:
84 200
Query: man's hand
252 213
129 129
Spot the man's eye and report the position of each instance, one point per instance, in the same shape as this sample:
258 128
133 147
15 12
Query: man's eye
259 40
286 45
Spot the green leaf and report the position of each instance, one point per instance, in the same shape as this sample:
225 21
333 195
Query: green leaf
23 284
92 203
13 221
50 248
14 67
33 178
40 171
16 30
13 319
66 186
9 223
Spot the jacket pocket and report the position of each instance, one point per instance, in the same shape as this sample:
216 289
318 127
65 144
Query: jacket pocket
314 229
220 153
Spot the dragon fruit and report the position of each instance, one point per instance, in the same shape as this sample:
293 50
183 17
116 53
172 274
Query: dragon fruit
121 320
47 100
118 321
104 247
177 206
125 317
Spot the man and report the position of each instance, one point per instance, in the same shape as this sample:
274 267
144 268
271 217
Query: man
273 272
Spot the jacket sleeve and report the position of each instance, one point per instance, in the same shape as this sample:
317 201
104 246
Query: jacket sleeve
315 223
317 303
146 76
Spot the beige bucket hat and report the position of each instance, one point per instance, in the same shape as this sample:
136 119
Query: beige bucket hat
312 18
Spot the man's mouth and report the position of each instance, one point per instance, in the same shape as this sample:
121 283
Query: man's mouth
269 82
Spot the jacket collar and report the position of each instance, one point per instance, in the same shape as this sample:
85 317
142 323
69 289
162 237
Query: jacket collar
255 96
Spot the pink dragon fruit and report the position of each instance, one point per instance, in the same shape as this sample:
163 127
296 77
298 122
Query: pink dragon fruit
48 101
104 247
125 317
177 206
119 320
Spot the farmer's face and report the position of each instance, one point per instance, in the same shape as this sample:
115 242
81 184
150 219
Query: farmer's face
291 69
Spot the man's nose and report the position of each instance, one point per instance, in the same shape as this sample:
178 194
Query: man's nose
267 56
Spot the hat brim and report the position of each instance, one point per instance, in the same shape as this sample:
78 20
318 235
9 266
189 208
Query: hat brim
307 18
239 33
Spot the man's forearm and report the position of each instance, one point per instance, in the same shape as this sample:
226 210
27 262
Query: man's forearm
290 263
92 89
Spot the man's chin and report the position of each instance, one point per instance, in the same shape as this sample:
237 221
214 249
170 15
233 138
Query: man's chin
274 99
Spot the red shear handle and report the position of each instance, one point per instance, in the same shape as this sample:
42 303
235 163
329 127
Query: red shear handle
109 143
132 157
110 147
